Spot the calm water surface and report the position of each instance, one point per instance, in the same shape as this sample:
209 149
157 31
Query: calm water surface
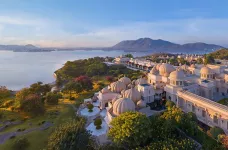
20 69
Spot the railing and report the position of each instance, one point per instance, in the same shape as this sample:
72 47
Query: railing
205 100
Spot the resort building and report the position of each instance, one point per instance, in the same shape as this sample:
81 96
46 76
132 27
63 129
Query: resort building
194 88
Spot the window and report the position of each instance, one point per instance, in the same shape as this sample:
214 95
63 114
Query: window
203 113
193 108
215 119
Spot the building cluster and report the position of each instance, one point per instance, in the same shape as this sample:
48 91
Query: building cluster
191 57
194 88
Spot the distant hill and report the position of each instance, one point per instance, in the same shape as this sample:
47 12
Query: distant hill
220 54
147 44
18 47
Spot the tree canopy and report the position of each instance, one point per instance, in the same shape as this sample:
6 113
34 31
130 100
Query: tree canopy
220 54
71 135
130 129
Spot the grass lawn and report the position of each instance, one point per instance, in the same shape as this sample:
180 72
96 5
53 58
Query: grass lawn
38 139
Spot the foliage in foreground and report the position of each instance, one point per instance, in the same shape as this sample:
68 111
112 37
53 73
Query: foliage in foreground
130 129
70 136
171 144
20 144
52 98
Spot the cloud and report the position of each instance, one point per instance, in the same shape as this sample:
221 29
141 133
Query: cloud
57 33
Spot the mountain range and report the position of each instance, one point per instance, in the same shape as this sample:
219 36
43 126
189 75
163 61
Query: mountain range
147 44
18 47
142 44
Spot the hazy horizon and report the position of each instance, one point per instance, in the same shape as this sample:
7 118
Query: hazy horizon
76 23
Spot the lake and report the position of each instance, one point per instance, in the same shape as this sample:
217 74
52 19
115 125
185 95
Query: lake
21 69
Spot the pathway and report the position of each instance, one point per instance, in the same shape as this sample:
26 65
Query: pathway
4 137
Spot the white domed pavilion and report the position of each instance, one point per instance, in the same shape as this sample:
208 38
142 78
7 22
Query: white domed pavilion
117 86
166 69
123 105
132 94
125 80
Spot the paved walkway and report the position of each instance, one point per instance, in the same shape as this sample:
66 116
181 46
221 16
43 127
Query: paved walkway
4 137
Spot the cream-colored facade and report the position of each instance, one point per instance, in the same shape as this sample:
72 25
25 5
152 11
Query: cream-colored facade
194 88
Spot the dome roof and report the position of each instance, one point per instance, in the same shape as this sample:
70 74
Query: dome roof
177 75
184 67
140 81
165 69
154 70
130 86
123 105
125 80
141 104
122 92
133 94
105 90
158 66
193 66
114 99
117 86
133 82
206 70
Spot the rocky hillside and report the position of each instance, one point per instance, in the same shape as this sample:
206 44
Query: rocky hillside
220 54
147 44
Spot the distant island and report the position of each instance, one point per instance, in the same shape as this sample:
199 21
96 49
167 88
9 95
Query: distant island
139 45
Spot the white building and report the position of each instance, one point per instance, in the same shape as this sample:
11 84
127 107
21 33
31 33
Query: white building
194 88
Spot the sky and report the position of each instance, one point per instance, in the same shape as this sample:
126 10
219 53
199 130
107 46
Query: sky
101 23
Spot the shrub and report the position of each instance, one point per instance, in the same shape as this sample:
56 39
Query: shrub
215 131
52 98
72 98
8 103
71 135
169 104
33 105
130 130
90 107
98 123
12 137
20 144
1 114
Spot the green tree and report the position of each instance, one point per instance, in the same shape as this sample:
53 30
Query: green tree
71 135
20 143
172 144
4 92
130 129
98 123
40 88
215 131
199 61
33 105
90 107
169 104
52 98
21 95
72 86
96 69
209 60
129 55
173 61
